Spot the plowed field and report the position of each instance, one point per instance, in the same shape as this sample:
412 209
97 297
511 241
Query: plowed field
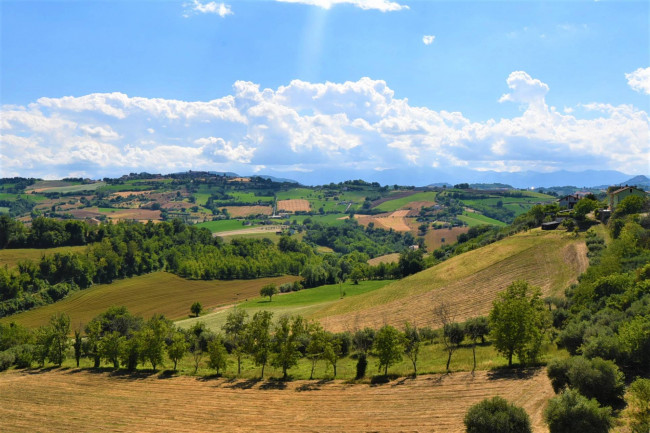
74 400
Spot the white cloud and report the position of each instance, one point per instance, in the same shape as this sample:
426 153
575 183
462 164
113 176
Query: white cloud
639 80
198 7
311 127
380 5
428 39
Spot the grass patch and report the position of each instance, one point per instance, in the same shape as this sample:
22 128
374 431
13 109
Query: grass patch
306 302
224 225
11 257
475 219
393 205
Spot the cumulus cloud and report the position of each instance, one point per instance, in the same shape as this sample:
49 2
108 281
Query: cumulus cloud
380 5
639 80
198 7
428 39
310 127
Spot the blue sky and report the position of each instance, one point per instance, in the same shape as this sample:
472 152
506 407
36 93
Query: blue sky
504 86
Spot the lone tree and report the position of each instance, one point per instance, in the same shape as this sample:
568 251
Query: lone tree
269 290
412 345
235 329
258 338
496 415
388 347
286 340
476 328
518 321
59 343
178 347
218 355
196 308
452 333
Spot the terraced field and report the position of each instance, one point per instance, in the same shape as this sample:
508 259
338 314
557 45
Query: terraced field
158 292
469 282
78 400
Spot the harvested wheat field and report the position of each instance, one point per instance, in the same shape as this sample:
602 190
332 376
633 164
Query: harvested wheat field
81 400
434 239
294 205
469 282
388 258
393 220
244 211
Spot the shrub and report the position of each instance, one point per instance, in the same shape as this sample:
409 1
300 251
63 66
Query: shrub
571 412
6 360
594 378
496 415
24 354
639 406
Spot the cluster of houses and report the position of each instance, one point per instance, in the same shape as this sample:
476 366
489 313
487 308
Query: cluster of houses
615 195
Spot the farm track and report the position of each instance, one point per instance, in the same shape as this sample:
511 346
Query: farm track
83 400
468 296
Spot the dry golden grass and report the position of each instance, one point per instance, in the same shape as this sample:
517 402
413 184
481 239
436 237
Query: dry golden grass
158 292
388 258
469 282
131 193
433 238
74 400
293 205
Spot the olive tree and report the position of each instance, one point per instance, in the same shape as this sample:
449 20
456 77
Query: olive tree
571 412
518 321
388 347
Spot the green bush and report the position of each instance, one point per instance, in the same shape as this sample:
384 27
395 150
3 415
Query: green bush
595 378
362 365
639 406
6 360
24 354
571 412
496 415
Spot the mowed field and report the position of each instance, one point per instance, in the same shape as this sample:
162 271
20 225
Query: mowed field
469 282
11 257
82 400
293 205
145 295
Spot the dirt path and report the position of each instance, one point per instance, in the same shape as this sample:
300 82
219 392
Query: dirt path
73 400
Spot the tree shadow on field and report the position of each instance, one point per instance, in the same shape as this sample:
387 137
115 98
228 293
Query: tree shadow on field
313 386
43 370
403 381
243 384
521 373
277 384
382 379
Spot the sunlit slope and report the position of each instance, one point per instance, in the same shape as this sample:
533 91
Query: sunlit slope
469 282
158 292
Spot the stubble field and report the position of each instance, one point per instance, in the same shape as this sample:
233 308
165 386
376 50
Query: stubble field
81 400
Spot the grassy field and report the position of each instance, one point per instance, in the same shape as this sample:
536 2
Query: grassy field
469 282
13 197
393 205
73 400
306 302
224 225
11 257
158 292
475 219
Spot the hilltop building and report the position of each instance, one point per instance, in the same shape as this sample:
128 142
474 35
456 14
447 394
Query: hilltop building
568 201
616 196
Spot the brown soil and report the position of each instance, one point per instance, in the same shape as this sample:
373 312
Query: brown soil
81 400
